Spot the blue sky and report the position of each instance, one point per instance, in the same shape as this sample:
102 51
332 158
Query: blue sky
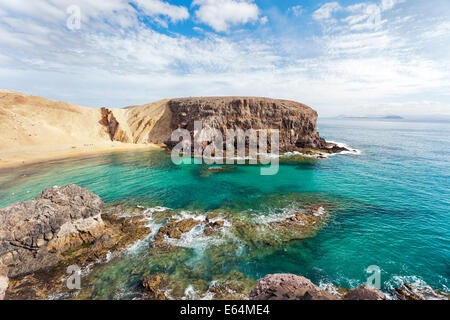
340 57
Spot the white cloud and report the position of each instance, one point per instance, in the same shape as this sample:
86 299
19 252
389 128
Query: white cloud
222 14
296 10
158 7
325 12
116 60
116 12
389 4
364 16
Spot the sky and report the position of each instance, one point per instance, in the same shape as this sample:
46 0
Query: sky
341 57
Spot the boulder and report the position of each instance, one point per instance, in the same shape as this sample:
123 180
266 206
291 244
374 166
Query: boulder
365 292
34 234
288 287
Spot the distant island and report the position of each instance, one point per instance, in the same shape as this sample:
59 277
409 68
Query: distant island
387 117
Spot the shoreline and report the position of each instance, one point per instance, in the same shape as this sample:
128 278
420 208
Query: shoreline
14 158
18 157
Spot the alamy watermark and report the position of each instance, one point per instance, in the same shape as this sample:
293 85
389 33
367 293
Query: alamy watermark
374 280
73 22
207 145
73 282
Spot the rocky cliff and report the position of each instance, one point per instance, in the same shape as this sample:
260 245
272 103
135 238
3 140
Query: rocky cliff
295 121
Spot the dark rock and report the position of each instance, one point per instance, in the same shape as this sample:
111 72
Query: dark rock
417 291
153 285
208 231
288 287
365 292
218 224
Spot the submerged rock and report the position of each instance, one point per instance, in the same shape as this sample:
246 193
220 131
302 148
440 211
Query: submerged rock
153 286
213 170
300 225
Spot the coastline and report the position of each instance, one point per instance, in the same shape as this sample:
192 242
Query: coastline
13 158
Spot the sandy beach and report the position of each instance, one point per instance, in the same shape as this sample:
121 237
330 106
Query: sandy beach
35 129
28 155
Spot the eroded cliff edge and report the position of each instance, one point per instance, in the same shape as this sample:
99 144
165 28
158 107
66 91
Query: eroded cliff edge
296 122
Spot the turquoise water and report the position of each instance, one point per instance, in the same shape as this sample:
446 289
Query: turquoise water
391 202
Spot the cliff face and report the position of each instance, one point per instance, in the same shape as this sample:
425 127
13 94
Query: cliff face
296 122
113 127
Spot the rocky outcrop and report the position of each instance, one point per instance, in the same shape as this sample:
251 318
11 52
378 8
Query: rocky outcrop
296 121
33 234
365 292
4 281
153 285
292 287
288 287
119 232
418 291
112 126
174 229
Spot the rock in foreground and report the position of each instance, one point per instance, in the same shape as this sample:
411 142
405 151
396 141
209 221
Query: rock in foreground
292 287
365 292
33 234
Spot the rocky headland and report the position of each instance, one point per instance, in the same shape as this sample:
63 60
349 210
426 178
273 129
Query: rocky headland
34 128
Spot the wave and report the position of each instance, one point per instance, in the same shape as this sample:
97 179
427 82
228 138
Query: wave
346 146
196 238
416 286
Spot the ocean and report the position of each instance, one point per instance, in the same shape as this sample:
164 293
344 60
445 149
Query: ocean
389 208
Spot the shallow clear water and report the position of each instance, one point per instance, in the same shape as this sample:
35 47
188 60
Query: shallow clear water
390 203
